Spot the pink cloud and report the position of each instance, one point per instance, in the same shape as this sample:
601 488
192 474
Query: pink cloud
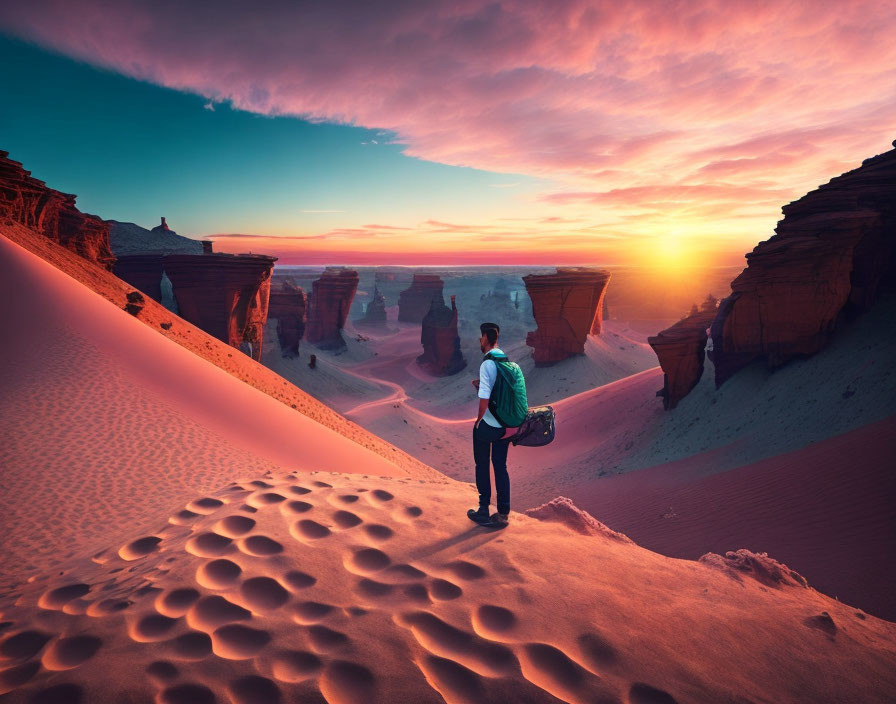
696 106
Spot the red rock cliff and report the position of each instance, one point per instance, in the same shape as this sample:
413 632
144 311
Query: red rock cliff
224 294
829 257
143 272
414 302
441 343
331 298
680 350
288 304
30 202
567 307
375 314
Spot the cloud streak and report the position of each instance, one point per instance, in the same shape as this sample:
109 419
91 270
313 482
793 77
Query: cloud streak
683 109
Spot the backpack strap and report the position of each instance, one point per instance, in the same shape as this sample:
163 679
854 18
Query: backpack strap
495 357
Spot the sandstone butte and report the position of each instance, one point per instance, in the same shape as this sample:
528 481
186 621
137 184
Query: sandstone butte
224 294
288 304
441 343
331 299
567 307
375 313
681 352
831 256
414 301
31 203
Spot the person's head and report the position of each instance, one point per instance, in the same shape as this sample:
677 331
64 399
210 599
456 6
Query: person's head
489 336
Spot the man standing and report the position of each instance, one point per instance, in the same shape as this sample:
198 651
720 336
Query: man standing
488 439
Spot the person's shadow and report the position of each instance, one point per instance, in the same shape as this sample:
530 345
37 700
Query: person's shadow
475 537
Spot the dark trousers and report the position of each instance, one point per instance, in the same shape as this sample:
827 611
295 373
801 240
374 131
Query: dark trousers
486 441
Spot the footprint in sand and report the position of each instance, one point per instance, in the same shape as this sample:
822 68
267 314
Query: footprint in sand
23 645
444 640
295 507
205 505
366 561
263 594
443 590
237 642
378 533
379 497
321 484
151 628
296 666
296 580
346 519
344 682
68 653
266 499
493 622
308 530
452 680
218 574
299 489
139 548
260 546
214 611
555 672
59 597
209 545
254 689
234 526
188 693
177 602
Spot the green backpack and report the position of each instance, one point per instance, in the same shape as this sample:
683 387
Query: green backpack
508 402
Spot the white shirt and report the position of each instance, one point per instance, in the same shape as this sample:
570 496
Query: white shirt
488 374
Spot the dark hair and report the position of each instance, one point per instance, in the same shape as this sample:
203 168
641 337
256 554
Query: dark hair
490 330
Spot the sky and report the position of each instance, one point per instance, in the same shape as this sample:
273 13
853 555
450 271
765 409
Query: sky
534 132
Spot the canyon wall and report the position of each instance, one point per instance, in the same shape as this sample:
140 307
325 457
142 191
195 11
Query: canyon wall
30 202
375 313
414 301
288 304
567 307
441 342
331 298
226 295
681 353
830 255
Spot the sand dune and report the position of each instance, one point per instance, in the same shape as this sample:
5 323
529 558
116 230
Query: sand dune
351 589
105 421
202 344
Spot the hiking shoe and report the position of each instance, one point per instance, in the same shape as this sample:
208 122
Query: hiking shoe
479 515
498 520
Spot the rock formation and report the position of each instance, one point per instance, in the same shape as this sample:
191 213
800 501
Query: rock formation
224 294
126 238
31 203
831 254
375 314
142 271
567 307
288 304
331 298
441 343
680 350
414 302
